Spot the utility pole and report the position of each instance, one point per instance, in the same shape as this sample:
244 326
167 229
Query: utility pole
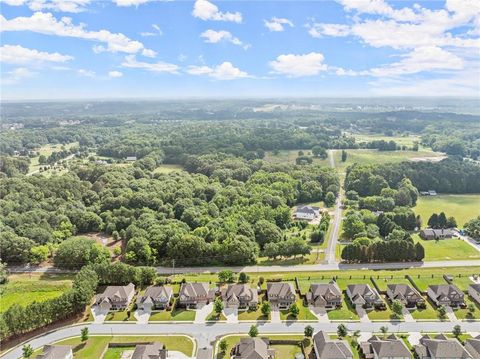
173 263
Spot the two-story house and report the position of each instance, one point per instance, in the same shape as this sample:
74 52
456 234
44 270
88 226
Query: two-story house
440 347
324 295
193 294
281 294
407 295
155 297
240 296
326 348
115 297
385 348
446 294
365 296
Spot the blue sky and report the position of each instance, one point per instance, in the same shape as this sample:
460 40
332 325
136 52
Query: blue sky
141 48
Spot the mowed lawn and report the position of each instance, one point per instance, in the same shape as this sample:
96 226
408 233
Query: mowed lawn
463 207
447 249
95 345
289 157
24 289
168 168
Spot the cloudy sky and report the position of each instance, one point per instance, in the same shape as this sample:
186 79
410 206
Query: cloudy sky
141 48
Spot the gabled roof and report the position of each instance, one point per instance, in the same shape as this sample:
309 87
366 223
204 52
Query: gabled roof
331 349
323 291
402 290
251 348
195 290
117 292
150 351
235 291
441 346
473 347
280 289
154 292
307 209
476 287
361 291
389 347
55 352
445 290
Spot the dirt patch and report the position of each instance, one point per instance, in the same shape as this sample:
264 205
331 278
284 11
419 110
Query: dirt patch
428 159
107 241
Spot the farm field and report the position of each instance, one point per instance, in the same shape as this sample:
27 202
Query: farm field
168 168
400 140
47 150
95 345
24 289
447 249
461 206
289 157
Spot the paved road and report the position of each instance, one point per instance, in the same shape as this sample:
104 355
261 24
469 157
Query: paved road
205 334
337 219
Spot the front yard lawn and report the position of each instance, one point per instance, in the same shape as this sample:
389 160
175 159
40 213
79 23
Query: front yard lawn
428 313
305 313
214 316
382 314
120 316
464 313
346 312
252 314
173 315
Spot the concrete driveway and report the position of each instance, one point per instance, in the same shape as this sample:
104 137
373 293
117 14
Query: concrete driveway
202 313
407 315
362 313
142 315
231 314
99 314
451 314
275 315
320 313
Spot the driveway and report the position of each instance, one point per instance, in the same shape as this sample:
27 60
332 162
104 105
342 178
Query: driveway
231 314
320 313
451 314
99 314
275 315
414 338
202 313
142 315
407 315
362 313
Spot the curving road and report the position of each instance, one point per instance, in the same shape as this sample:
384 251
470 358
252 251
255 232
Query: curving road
206 334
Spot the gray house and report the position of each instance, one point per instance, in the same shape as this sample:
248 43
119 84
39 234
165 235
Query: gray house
388 348
253 348
472 346
193 294
325 295
307 212
155 297
281 294
446 294
240 296
364 295
430 233
115 297
326 348
474 292
440 347
407 295
150 351
56 352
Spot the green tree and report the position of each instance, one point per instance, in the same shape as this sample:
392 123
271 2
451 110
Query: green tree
223 345
27 351
433 221
319 151
84 334
267 232
3 273
253 332
39 254
442 311
308 331
218 306
472 228
471 310
79 251
243 277
342 330
329 199
457 331
266 308
344 155
451 222
397 308
226 276
384 331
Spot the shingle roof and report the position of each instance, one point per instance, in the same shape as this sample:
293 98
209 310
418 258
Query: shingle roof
331 349
445 290
154 292
441 346
307 209
389 347
195 290
117 292
251 348
55 352
240 290
280 289
149 351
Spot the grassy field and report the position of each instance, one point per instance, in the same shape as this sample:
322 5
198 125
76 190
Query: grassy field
289 157
166 168
47 150
24 289
447 249
461 206
95 345
400 140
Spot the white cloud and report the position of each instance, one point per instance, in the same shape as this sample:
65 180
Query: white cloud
16 54
17 75
115 74
213 37
224 71
132 62
206 10
277 24
73 6
299 65
126 3
319 30
46 23
157 32
86 73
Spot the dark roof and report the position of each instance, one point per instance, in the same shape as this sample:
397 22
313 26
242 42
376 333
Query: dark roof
251 348
445 290
389 347
154 292
239 290
195 290
150 351
331 349
476 287
117 292
438 232
280 289
307 209
441 346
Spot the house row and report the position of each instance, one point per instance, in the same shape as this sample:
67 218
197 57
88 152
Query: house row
281 295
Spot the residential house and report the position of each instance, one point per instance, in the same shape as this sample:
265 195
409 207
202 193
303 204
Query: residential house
472 346
131 158
154 350
385 348
324 295
446 294
474 292
115 297
440 347
280 294
240 296
56 352
155 297
326 348
193 294
307 212
253 348
365 296
407 295
440 233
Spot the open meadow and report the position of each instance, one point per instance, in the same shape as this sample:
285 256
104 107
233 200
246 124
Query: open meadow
447 249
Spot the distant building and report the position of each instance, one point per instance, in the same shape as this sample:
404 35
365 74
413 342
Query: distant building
446 294
253 348
441 233
324 295
326 348
407 295
307 212
155 297
150 351
56 352
474 292
428 193
440 347
131 158
115 297
281 294
388 348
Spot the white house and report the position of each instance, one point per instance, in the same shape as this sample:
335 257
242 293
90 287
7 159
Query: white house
307 212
